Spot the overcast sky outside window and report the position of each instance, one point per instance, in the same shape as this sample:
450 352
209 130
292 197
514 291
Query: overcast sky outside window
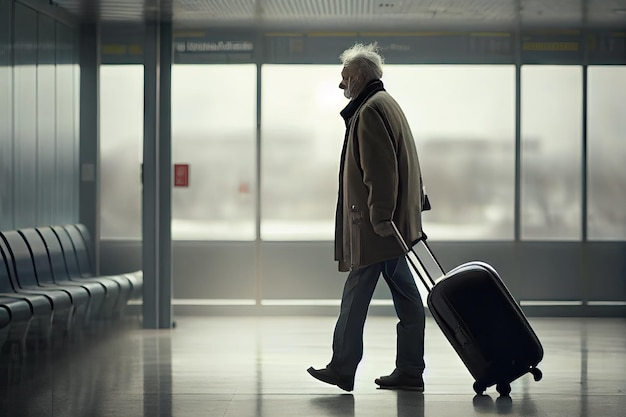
463 121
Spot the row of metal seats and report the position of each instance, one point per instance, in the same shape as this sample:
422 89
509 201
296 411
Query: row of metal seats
48 290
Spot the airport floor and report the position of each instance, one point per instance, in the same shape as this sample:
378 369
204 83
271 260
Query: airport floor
256 366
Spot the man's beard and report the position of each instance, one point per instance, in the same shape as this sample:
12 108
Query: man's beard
347 92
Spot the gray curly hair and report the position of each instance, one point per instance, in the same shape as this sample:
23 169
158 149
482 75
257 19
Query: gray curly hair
364 60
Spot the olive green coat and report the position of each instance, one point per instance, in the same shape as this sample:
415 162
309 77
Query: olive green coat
379 181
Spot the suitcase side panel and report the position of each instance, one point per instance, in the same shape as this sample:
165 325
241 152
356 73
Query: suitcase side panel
455 332
484 324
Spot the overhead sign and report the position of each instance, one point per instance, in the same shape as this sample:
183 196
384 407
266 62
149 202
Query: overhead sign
205 47
191 46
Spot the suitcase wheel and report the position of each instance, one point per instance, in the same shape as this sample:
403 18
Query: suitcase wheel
537 374
503 389
478 388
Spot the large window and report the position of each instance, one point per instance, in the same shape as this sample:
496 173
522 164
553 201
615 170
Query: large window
463 120
121 144
214 131
606 130
551 123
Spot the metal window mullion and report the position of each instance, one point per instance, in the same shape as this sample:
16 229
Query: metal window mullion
257 253
584 265
165 174
517 229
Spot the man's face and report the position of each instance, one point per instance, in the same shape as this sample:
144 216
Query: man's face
346 83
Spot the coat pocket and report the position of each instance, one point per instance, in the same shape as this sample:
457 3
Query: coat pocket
355 236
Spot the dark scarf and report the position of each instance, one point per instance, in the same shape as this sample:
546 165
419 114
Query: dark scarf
369 90
347 113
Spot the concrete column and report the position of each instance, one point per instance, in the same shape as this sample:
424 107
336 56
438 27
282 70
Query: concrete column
157 177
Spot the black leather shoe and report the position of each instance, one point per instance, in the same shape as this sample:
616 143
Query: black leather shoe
331 377
398 380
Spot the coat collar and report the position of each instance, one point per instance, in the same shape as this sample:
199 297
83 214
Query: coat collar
369 90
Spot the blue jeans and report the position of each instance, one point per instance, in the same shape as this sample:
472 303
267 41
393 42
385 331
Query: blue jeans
357 295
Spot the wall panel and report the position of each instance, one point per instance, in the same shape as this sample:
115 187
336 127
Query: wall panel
38 103
25 116
606 271
6 117
66 140
46 120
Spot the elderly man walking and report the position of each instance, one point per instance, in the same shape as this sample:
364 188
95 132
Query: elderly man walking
379 183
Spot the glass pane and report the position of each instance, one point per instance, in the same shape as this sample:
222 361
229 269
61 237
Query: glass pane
606 130
551 123
302 135
214 131
463 121
121 144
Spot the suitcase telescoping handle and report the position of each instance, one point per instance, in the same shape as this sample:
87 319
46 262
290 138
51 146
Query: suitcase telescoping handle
417 264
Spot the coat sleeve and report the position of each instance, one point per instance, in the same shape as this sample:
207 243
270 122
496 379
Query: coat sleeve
377 157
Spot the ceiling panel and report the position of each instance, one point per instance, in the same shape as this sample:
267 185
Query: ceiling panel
215 9
351 14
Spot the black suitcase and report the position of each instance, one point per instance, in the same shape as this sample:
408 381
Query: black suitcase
481 319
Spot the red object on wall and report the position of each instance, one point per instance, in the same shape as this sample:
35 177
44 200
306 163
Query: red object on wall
181 175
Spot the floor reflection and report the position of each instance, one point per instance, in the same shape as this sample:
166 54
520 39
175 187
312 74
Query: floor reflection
410 404
74 376
485 404
339 405
157 374
256 366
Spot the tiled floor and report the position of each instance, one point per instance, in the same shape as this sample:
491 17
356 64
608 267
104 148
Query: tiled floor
256 366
